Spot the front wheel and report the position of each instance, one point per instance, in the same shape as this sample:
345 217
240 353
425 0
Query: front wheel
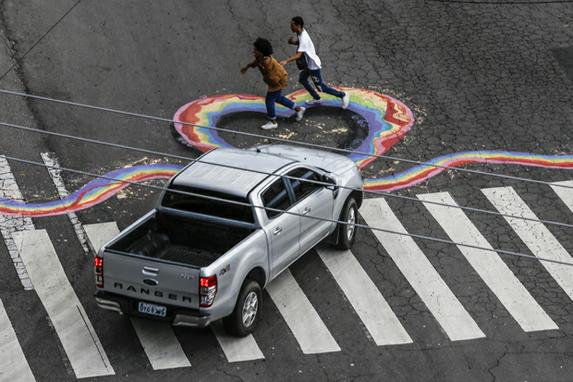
347 232
245 316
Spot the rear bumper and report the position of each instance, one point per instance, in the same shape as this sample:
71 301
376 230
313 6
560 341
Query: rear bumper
177 316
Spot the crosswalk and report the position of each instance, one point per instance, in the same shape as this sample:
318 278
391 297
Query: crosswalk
37 259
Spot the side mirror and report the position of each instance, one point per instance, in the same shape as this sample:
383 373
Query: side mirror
327 179
331 184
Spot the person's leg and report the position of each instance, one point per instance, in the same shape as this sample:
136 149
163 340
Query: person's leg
281 99
317 78
270 100
303 79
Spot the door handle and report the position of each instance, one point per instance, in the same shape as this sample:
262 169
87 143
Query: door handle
277 230
306 210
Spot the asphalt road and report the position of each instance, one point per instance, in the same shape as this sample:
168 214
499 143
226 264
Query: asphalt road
478 75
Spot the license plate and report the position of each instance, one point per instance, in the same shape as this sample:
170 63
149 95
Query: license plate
152 309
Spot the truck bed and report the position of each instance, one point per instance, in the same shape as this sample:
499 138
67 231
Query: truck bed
181 240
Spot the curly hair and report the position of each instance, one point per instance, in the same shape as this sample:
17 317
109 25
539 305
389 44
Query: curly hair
264 46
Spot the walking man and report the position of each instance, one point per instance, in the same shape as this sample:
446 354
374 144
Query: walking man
276 77
306 52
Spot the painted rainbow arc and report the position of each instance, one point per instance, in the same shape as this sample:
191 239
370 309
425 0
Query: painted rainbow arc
94 192
421 173
389 120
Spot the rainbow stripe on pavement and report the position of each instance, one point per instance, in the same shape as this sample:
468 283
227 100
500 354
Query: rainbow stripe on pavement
95 192
421 173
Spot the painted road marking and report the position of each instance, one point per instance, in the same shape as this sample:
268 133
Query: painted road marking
160 344
365 298
8 224
50 160
414 265
566 194
157 338
77 335
237 349
13 364
535 235
488 265
304 322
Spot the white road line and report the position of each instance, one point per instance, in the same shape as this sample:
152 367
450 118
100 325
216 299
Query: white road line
566 194
76 333
365 298
8 224
308 329
160 344
488 265
237 349
54 171
157 338
414 265
535 235
13 364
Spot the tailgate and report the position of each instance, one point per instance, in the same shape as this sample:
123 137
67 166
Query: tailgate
153 280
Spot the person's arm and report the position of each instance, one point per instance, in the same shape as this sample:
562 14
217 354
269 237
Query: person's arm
249 65
293 40
296 56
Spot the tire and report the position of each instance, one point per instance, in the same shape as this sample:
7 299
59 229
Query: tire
346 233
245 316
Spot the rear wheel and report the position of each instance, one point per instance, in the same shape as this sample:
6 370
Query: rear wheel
245 316
347 232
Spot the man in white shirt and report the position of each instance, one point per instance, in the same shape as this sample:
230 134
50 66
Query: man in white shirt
313 64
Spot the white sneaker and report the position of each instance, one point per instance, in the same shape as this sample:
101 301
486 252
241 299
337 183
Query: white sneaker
300 113
345 101
270 125
313 101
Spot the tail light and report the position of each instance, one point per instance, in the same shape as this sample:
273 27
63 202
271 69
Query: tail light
207 291
98 269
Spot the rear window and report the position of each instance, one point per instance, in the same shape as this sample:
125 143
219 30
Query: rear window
206 206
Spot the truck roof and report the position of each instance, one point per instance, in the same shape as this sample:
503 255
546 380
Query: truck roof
238 181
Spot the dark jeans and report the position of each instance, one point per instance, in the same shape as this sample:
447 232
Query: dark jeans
317 79
273 97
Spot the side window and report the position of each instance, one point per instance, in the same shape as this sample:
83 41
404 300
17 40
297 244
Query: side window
303 189
276 196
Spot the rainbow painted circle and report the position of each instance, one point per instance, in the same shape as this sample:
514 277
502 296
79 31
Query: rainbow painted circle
389 120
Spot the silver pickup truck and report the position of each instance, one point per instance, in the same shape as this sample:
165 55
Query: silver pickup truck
193 260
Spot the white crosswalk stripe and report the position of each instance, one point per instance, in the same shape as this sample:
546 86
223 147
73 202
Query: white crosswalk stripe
237 349
75 331
488 265
535 235
428 284
566 194
8 224
365 298
160 344
304 322
158 340
13 364
50 160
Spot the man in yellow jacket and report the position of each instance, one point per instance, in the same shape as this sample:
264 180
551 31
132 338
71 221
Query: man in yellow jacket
276 77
